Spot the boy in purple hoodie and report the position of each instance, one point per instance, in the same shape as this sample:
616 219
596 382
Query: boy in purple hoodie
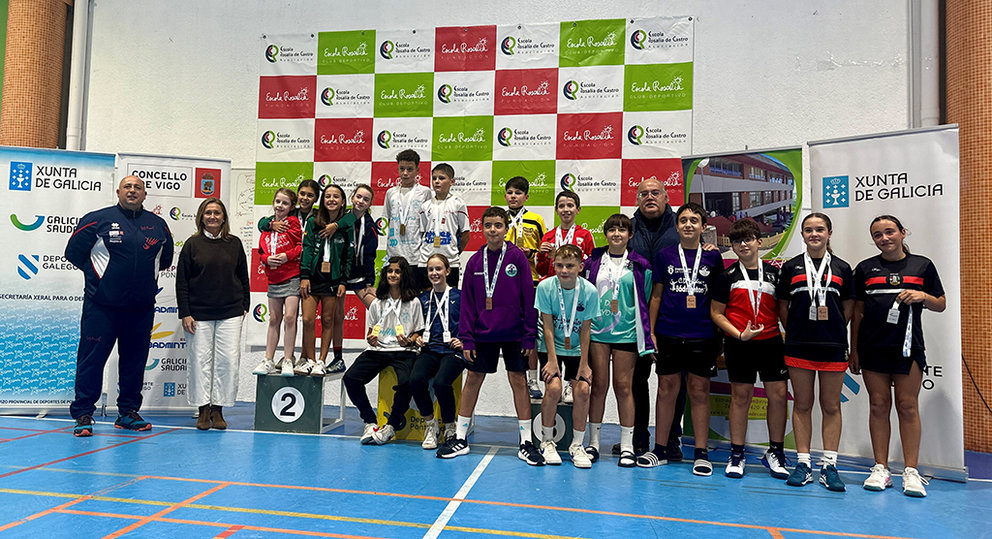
497 313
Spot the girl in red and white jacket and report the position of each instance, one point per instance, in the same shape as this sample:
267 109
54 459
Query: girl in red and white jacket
280 255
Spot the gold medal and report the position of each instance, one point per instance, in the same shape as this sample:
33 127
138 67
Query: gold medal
399 329
489 304
437 241
375 330
614 306
822 313
690 302
403 230
325 267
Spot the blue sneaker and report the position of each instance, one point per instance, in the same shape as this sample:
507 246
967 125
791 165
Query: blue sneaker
800 475
831 479
84 426
132 421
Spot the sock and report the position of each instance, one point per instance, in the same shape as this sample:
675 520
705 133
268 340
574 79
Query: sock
776 447
627 439
830 457
547 434
660 450
531 375
803 458
337 354
523 425
578 436
737 449
461 427
700 453
594 429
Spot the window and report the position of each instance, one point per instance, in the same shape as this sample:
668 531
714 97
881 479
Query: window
737 201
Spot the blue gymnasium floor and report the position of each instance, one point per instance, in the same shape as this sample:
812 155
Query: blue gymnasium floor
175 481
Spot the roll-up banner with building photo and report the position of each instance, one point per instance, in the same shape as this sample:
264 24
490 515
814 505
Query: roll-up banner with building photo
912 175
176 186
41 293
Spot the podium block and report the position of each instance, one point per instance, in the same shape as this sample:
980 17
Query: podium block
292 404
563 424
412 427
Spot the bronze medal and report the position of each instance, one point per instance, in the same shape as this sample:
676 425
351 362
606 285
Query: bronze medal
325 267
614 306
568 343
403 230
822 313
489 304
690 302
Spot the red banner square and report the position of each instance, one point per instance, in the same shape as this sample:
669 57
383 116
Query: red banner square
385 174
667 171
476 238
287 97
256 272
460 48
354 317
589 136
342 139
526 91
207 183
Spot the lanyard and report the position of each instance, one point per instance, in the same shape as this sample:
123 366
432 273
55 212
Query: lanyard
273 242
756 296
893 318
392 305
559 241
517 224
491 285
570 321
694 277
818 291
442 313
439 207
327 249
403 206
359 241
614 280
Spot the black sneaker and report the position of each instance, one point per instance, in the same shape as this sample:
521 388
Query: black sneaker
593 453
84 427
616 449
674 451
530 454
452 447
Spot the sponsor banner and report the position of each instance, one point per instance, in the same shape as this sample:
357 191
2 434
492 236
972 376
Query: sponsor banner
526 91
460 48
590 89
592 218
403 94
657 134
529 136
346 53
270 177
596 181
591 43
656 40
540 175
472 181
393 135
527 46
286 96
667 171
47 192
342 139
257 323
404 51
284 140
912 175
288 55
463 138
385 174
589 136
463 94
658 87
344 96
347 174
165 372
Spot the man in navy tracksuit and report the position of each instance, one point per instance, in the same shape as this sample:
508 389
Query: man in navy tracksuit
120 250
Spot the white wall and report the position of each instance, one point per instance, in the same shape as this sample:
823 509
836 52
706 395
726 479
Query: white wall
181 77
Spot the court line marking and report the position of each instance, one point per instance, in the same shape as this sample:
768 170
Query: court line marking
165 511
228 532
77 499
32 435
449 510
36 466
41 431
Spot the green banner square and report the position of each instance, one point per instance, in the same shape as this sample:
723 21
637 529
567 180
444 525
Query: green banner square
540 175
657 87
403 95
592 218
346 53
270 177
592 43
462 138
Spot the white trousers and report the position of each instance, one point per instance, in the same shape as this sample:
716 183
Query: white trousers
214 354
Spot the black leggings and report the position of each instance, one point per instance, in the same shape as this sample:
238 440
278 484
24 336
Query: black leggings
444 368
368 365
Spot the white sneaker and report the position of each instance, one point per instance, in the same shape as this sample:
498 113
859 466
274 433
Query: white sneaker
302 367
566 393
735 466
912 483
550 453
368 433
316 368
431 432
265 367
775 464
383 434
449 431
879 480
533 389
286 366
580 458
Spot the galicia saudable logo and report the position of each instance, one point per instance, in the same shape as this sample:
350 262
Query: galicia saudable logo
259 313
386 49
444 93
638 38
323 181
152 365
175 213
39 219
271 52
27 266
504 136
509 43
327 96
835 192
20 176
635 134
269 139
383 139
570 89
568 181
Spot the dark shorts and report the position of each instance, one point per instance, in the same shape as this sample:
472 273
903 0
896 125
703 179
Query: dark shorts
816 358
696 356
571 364
621 346
890 360
487 357
747 359
322 285
360 285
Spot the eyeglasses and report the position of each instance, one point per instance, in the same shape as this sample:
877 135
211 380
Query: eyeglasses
742 241
651 194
